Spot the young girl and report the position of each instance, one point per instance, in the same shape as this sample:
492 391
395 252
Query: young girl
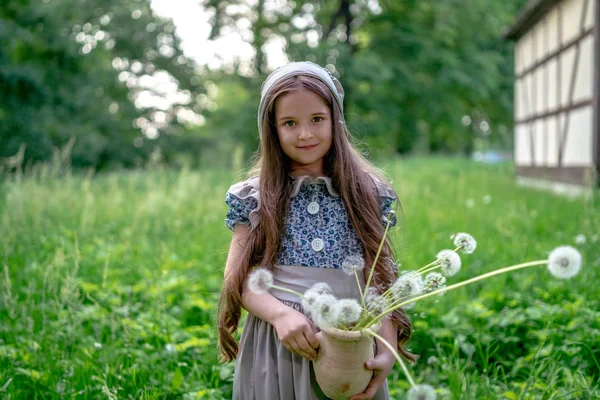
311 201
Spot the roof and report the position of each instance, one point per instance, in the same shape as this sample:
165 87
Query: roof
533 12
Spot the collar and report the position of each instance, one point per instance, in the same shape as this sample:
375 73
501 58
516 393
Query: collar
298 181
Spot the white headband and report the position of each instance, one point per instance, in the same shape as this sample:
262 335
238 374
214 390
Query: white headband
305 68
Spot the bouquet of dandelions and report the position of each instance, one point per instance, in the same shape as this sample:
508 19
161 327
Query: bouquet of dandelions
350 325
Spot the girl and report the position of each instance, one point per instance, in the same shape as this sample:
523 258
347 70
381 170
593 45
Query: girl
311 200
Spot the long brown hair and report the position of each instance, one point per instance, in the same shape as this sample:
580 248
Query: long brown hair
352 176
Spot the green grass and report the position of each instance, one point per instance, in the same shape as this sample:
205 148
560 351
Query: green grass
109 285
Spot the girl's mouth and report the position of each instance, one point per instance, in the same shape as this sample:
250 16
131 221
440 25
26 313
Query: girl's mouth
308 147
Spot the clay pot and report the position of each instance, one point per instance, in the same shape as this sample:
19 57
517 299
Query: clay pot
340 363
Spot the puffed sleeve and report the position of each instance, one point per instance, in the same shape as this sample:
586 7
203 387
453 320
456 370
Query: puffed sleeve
386 197
244 204
387 205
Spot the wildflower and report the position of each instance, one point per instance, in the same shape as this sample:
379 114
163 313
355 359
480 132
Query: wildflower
421 392
311 295
434 281
409 284
466 242
260 281
352 264
97 345
170 348
375 302
470 203
580 239
450 262
321 288
349 311
325 311
564 262
487 199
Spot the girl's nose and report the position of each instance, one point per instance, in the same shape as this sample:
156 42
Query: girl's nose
305 132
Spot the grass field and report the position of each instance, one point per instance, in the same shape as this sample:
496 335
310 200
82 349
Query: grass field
109 285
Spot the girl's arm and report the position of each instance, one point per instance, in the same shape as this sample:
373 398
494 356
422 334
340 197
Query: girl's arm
293 328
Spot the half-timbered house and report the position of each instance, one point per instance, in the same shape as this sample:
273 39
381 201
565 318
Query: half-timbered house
557 90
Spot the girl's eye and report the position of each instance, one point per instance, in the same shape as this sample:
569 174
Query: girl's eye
289 123
318 119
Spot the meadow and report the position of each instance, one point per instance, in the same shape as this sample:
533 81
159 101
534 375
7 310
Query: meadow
109 284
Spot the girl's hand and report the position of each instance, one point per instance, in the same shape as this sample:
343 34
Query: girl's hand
296 333
382 365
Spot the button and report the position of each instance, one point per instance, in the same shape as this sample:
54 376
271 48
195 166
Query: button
313 208
317 244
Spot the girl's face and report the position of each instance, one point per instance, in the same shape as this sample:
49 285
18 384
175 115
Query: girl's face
304 126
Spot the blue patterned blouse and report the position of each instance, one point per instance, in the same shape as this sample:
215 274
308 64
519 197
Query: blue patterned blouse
318 231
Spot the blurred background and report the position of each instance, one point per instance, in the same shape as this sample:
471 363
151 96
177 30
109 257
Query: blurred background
118 83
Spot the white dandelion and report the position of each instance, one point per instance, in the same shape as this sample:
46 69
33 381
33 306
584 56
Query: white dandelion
352 264
260 280
408 285
564 262
376 303
470 203
450 262
434 281
487 199
421 392
348 311
580 239
466 241
308 301
321 288
170 348
325 311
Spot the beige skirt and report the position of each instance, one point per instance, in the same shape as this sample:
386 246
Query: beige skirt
265 369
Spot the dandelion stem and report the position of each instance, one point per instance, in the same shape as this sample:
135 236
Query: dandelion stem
429 269
358 284
387 227
288 290
395 353
397 305
428 265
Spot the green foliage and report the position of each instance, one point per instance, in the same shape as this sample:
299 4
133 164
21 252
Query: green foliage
72 69
109 283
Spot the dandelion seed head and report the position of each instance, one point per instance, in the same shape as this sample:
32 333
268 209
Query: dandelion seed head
466 241
422 392
487 199
325 311
470 203
450 262
376 303
170 348
352 264
580 239
433 282
407 285
260 280
321 288
308 301
564 262
348 311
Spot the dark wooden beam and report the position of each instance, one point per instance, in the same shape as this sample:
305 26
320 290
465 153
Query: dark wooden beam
531 14
555 112
575 175
556 53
